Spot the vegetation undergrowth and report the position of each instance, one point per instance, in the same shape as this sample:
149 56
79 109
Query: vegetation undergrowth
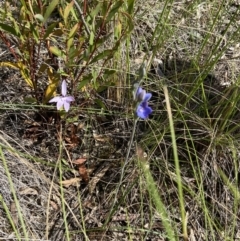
119 120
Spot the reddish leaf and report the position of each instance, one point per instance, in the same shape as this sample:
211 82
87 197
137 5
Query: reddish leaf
82 168
83 172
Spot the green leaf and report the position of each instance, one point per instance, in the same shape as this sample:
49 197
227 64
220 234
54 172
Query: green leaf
67 11
72 53
50 30
118 30
114 10
73 30
23 3
22 68
96 9
50 9
104 8
9 64
108 73
25 74
130 4
85 81
74 15
35 32
58 32
91 38
100 104
9 29
30 100
55 50
53 80
106 53
102 40
43 67
39 17
69 44
16 28
71 35
105 86
130 24
87 52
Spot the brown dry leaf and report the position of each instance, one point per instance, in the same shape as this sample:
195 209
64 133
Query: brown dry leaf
141 155
125 217
82 168
100 138
89 204
80 126
54 205
72 138
83 172
73 134
28 191
95 180
31 123
14 213
73 181
192 236
79 161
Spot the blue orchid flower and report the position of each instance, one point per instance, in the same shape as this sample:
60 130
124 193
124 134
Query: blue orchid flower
64 100
143 110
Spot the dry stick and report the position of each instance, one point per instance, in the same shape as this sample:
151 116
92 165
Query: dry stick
81 16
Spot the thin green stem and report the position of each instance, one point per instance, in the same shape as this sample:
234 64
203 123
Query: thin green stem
126 160
123 170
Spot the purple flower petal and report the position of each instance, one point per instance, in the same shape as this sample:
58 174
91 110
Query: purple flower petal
64 88
60 103
63 101
68 98
55 99
143 110
141 96
66 105
139 91
147 97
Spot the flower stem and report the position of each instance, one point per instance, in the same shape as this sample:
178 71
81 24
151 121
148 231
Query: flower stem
123 169
126 159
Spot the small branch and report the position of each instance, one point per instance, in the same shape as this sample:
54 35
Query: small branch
8 44
82 18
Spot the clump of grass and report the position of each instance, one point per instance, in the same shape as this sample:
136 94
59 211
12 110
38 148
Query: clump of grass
203 116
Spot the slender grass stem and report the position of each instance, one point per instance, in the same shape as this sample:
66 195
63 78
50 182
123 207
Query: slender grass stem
176 161
16 201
